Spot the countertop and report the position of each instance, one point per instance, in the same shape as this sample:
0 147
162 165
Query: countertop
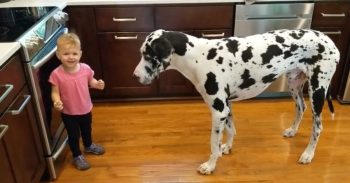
7 49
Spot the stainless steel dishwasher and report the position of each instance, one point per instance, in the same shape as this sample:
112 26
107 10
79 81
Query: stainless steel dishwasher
259 18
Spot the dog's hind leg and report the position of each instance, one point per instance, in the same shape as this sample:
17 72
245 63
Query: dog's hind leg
219 112
317 94
296 81
230 133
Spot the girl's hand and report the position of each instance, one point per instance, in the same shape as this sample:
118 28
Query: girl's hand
100 84
58 105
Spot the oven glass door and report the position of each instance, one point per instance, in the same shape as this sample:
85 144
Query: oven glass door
50 122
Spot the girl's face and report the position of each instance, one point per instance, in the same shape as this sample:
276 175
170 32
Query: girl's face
69 55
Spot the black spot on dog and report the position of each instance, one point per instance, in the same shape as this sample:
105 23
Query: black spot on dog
211 85
269 78
279 39
178 41
247 54
321 48
232 46
316 33
228 93
272 50
311 60
268 66
299 35
148 70
220 60
314 78
287 54
318 100
294 47
191 44
211 54
218 105
247 81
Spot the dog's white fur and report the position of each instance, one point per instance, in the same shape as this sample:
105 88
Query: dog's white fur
240 68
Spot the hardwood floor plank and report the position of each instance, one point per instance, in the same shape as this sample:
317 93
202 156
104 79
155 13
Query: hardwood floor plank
165 141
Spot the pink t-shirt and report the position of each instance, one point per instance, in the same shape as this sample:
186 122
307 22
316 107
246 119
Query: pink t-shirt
74 89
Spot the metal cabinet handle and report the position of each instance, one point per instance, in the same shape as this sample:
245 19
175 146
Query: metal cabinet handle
124 19
332 32
7 92
333 15
125 37
213 35
20 109
3 129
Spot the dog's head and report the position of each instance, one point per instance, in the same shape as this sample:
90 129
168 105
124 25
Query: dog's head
156 54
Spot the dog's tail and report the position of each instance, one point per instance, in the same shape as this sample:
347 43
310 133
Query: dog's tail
329 101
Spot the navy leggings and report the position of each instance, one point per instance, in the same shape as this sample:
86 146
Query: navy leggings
77 125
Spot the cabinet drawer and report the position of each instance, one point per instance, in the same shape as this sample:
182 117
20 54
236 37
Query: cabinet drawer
331 14
193 18
124 19
12 81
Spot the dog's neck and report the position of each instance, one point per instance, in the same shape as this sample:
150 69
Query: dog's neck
190 59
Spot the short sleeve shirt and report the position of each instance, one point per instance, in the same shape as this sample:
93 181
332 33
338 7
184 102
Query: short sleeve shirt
74 89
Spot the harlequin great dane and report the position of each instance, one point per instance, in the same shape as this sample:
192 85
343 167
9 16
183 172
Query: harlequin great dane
232 69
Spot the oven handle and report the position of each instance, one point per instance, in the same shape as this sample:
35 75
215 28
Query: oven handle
7 92
20 109
48 56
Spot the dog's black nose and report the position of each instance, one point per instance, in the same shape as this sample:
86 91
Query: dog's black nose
136 77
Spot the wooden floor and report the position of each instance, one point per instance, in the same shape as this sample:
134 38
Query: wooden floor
156 142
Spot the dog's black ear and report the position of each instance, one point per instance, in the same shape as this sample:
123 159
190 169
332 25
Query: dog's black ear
161 47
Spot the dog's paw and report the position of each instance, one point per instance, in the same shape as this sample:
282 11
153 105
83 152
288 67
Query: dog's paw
206 169
225 149
289 132
306 157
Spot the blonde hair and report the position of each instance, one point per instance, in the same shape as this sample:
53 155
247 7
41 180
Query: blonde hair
68 39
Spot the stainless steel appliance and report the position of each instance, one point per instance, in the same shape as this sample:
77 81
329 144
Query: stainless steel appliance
37 29
259 18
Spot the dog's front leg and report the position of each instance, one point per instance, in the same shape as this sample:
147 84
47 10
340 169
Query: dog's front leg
218 122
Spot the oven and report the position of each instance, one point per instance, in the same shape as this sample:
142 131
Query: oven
37 30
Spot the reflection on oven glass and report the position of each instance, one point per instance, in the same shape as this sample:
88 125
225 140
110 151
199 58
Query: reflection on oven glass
53 118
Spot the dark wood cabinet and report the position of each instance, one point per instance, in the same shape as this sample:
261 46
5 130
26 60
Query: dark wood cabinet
119 57
333 18
21 151
82 22
120 32
6 173
208 21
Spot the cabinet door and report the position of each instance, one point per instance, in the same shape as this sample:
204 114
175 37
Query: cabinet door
6 174
22 140
82 22
120 54
333 18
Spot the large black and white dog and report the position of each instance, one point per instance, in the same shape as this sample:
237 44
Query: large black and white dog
232 69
